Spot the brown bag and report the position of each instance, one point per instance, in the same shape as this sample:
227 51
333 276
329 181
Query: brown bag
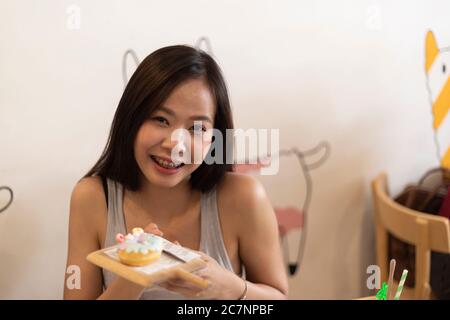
426 199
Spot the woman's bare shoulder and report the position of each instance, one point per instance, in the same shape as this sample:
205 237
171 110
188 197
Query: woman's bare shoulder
241 195
241 187
88 199
92 183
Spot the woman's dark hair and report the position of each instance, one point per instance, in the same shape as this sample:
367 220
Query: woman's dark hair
151 84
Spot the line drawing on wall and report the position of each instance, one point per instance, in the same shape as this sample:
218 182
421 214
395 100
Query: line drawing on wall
135 61
11 197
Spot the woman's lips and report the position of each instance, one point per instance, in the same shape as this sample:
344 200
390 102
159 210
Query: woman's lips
165 170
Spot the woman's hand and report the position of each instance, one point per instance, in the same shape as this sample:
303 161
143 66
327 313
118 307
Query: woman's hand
224 284
153 229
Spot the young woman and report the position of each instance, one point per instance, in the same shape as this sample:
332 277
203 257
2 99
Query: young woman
223 215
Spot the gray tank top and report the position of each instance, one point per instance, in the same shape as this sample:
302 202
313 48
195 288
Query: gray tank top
211 240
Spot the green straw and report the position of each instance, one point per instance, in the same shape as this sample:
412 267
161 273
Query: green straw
400 285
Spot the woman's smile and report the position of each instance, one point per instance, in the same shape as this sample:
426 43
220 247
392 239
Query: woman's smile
165 165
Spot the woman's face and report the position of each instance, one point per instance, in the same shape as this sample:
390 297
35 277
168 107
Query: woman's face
188 102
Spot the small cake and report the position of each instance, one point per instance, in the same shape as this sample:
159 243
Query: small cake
138 248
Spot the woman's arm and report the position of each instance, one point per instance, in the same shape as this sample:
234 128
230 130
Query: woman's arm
259 244
87 207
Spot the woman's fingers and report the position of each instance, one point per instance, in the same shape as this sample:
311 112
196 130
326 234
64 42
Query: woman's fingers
156 232
153 228
205 257
185 291
176 284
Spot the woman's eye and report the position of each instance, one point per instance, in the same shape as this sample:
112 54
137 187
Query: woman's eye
198 128
161 120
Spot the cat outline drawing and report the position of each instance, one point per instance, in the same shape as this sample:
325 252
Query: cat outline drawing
437 65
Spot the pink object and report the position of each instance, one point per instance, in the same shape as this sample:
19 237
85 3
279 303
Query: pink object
243 168
445 208
289 218
120 238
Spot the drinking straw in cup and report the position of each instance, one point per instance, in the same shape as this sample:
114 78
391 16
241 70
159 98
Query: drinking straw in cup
400 285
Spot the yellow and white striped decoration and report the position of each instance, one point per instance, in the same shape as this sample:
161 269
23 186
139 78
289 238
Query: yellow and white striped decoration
437 68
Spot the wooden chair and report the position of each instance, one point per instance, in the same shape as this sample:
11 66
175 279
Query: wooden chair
426 232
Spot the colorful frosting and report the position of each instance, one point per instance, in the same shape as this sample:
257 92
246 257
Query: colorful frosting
139 242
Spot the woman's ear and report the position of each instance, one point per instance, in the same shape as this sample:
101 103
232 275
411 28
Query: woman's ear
130 62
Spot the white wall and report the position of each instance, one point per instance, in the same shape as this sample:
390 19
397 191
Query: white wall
348 72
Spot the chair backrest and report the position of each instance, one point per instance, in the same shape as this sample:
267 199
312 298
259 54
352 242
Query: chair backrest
426 232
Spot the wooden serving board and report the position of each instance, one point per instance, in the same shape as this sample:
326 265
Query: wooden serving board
166 267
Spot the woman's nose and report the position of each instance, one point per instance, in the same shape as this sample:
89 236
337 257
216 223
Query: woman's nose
169 142
176 140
